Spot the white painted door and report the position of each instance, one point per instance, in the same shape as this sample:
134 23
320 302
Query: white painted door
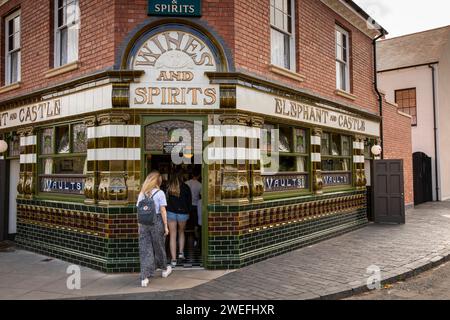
14 171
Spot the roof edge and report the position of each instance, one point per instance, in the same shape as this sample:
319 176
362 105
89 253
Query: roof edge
366 16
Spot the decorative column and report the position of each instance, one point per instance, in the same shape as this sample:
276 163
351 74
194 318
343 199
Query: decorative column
28 163
116 149
316 160
91 181
254 152
235 188
359 173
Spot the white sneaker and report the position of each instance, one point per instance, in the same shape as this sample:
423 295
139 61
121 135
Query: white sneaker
167 272
173 263
144 283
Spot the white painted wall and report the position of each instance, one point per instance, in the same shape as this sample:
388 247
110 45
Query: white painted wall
443 96
421 79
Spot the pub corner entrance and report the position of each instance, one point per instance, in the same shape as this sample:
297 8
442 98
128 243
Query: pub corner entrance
161 135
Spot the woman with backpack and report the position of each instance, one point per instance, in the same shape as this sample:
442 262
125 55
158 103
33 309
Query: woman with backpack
178 208
152 249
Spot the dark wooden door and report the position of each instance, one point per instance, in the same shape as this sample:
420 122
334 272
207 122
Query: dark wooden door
3 202
388 191
422 178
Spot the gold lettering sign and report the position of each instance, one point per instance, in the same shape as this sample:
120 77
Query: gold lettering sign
31 114
175 63
318 115
73 104
305 112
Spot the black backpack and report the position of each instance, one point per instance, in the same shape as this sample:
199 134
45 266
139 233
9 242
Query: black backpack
147 211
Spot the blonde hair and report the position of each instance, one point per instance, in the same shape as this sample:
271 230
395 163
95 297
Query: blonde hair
153 181
174 185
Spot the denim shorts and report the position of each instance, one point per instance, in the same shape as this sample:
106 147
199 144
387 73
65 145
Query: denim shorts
177 217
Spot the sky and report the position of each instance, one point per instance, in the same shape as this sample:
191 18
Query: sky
400 17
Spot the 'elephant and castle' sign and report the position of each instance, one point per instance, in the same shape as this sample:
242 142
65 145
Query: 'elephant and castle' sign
175 63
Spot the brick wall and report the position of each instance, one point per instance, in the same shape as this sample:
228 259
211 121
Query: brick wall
244 26
315 25
96 45
218 14
398 145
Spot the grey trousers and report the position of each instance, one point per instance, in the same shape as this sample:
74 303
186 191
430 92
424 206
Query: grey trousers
152 248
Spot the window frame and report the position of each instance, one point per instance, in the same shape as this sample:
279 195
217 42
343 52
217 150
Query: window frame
348 157
292 154
8 53
54 156
58 31
292 37
401 109
348 82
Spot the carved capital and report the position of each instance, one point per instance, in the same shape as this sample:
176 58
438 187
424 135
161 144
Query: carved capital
90 121
23 132
359 138
113 118
256 122
317 132
234 119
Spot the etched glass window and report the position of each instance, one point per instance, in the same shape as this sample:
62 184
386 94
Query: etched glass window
79 138
62 160
336 159
47 142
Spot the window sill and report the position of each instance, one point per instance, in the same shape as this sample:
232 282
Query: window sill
287 73
345 94
63 69
10 87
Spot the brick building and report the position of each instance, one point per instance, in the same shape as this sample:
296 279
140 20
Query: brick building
94 93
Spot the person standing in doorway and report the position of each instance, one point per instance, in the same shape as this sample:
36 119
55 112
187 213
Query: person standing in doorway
178 208
196 191
152 250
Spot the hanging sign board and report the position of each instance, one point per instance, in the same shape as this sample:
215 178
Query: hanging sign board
177 8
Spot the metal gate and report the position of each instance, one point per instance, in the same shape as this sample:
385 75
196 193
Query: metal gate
422 178
388 191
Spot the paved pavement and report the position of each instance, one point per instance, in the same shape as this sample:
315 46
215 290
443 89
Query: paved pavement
28 276
336 268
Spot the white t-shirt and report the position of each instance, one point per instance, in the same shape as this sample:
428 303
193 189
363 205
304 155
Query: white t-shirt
159 199
196 190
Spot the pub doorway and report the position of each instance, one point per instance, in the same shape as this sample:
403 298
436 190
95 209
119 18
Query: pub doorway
169 147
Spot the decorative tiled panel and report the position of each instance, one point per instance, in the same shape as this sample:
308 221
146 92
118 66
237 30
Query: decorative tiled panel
238 238
102 238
